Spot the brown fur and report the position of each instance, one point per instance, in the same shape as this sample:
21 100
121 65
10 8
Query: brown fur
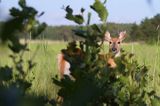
62 65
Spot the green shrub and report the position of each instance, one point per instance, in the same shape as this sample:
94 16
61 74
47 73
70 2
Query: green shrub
97 84
14 85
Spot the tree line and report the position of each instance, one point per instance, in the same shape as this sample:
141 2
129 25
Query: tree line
146 31
65 33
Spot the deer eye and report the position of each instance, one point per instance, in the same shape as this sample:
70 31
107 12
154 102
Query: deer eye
118 42
110 42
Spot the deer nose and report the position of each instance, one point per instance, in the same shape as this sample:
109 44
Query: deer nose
114 49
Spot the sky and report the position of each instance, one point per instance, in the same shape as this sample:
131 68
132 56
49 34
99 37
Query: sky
120 11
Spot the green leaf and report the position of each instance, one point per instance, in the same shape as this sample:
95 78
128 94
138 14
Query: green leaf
69 10
76 18
15 12
38 30
82 10
5 73
16 47
100 9
124 80
69 17
22 3
155 102
96 28
80 33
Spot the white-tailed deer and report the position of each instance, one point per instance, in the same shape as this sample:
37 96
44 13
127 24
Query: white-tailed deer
64 65
114 46
114 49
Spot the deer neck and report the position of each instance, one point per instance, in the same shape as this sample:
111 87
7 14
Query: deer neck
114 55
117 54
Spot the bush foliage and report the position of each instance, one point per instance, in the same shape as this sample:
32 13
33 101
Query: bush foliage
14 85
97 84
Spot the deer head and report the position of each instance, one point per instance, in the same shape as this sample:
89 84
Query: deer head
114 43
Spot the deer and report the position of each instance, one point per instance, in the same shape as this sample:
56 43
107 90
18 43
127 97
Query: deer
114 49
64 65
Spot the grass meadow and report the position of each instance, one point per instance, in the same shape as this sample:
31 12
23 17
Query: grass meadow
44 54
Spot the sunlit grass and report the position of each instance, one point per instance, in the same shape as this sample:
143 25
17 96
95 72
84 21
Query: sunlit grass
45 53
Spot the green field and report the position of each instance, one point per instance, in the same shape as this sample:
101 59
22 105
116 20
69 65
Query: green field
44 54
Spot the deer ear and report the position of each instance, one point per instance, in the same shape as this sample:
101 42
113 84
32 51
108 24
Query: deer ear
107 36
122 35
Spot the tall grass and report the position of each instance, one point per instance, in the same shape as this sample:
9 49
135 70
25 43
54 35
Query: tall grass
46 67
44 53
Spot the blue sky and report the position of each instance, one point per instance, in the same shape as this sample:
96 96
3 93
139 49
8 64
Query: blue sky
120 11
